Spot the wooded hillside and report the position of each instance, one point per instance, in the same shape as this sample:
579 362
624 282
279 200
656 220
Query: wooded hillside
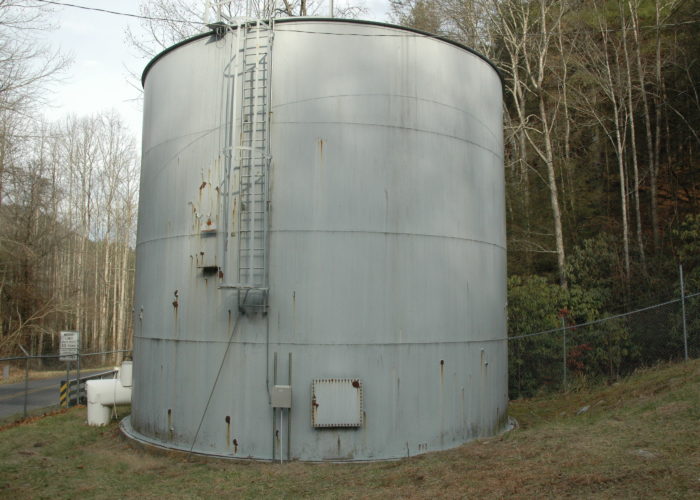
68 200
602 116
67 222
601 126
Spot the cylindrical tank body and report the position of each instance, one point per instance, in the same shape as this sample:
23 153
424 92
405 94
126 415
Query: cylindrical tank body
386 257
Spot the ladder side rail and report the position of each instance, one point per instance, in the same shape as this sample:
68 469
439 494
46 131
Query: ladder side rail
242 27
231 88
267 153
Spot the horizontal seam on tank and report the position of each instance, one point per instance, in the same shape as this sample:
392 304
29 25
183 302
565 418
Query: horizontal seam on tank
201 134
310 99
387 233
349 231
362 124
206 341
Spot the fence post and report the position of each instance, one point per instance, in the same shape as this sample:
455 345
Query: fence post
563 331
26 378
77 401
685 330
26 384
67 403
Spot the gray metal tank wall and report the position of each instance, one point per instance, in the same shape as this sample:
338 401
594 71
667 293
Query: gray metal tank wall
387 259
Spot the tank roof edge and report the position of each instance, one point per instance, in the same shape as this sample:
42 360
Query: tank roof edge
329 19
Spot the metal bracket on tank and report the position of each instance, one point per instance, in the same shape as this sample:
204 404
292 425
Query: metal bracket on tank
252 300
219 28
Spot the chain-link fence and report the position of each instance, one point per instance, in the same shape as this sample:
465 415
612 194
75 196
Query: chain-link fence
604 349
556 359
31 383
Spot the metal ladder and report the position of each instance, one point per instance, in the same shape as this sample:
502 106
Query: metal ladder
250 164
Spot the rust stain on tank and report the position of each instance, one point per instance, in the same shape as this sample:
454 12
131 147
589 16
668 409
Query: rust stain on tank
235 445
228 429
321 159
176 305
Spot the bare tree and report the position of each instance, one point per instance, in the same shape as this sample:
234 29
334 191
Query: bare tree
633 134
100 176
167 22
528 67
25 65
26 68
425 15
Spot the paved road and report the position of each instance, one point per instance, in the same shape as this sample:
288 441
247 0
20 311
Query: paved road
42 394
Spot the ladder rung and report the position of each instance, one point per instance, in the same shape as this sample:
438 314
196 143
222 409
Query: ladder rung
244 286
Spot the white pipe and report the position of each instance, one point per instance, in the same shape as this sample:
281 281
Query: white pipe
103 394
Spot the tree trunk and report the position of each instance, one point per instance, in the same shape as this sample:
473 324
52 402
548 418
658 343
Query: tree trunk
633 137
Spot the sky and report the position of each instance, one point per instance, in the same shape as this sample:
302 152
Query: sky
98 78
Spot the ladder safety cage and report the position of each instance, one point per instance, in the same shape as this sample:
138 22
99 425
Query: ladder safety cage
247 167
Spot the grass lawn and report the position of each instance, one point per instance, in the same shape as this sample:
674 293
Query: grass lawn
640 438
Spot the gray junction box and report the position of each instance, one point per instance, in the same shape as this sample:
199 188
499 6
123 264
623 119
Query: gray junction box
281 396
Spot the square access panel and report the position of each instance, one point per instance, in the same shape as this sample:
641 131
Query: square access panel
336 403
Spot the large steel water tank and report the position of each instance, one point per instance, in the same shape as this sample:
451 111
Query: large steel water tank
382 318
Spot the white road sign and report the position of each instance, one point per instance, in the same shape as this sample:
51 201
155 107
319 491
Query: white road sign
69 346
